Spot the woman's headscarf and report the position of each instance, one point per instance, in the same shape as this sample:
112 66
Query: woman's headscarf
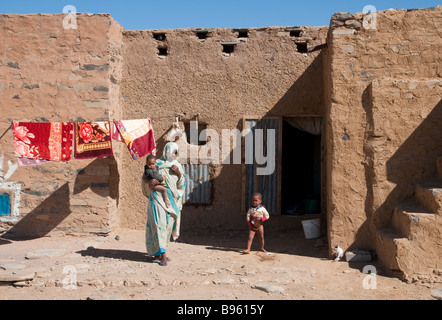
168 160
170 152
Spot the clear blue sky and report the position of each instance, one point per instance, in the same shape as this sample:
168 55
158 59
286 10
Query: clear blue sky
165 14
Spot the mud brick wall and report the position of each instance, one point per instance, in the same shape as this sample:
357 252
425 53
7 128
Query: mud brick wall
179 71
52 74
378 90
383 109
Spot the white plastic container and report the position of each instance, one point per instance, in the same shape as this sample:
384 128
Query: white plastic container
312 228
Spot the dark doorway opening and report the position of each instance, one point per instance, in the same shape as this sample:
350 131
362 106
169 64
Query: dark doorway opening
301 172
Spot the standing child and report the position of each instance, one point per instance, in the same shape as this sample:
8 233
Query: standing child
256 215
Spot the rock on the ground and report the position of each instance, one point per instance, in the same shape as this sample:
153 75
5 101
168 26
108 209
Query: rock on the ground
7 276
104 297
12 266
436 293
45 253
269 288
224 281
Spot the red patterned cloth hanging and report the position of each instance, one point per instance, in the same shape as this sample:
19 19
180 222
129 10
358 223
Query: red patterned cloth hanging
93 140
43 141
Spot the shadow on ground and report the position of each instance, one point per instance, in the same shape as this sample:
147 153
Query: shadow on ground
282 235
116 254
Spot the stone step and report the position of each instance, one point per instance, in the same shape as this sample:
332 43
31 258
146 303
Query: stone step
387 241
429 195
413 221
406 258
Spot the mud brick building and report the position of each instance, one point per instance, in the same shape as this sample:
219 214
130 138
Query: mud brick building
356 109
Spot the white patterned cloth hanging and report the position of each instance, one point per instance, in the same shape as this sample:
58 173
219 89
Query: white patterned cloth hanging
312 125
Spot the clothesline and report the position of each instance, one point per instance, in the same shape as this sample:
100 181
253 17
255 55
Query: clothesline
153 118
4 133
42 142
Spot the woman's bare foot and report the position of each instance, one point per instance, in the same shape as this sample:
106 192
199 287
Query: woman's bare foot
245 251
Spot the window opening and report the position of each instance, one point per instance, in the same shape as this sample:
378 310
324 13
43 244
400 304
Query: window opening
202 137
5 205
10 201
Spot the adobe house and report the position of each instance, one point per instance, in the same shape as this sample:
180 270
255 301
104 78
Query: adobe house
354 110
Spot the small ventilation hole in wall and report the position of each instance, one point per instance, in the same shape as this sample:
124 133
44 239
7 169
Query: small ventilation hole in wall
162 51
202 34
229 47
296 33
159 36
302 47
243 34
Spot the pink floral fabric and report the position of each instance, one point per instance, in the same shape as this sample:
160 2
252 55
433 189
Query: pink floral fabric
43 141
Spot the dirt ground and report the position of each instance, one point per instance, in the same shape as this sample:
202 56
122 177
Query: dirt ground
204 266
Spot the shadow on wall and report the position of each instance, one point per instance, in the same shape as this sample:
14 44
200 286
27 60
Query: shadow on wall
44 218
101 176
305 96
413 162
56 208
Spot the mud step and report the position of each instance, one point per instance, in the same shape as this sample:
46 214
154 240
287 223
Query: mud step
429 195
388 243
412 220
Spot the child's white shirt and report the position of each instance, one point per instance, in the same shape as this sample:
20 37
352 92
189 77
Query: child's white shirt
258 212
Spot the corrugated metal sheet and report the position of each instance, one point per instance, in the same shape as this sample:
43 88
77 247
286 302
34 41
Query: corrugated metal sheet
198 184
266 185
250 187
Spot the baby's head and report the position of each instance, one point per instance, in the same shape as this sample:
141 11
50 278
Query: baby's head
256 199
151 161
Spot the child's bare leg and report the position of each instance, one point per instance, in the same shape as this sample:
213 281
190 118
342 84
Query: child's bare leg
163 190
166 198
249 241
261 238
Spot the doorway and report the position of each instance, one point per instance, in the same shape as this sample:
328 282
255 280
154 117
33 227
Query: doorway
268 185
301 168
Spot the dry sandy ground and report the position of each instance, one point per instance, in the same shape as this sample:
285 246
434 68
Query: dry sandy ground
204 266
